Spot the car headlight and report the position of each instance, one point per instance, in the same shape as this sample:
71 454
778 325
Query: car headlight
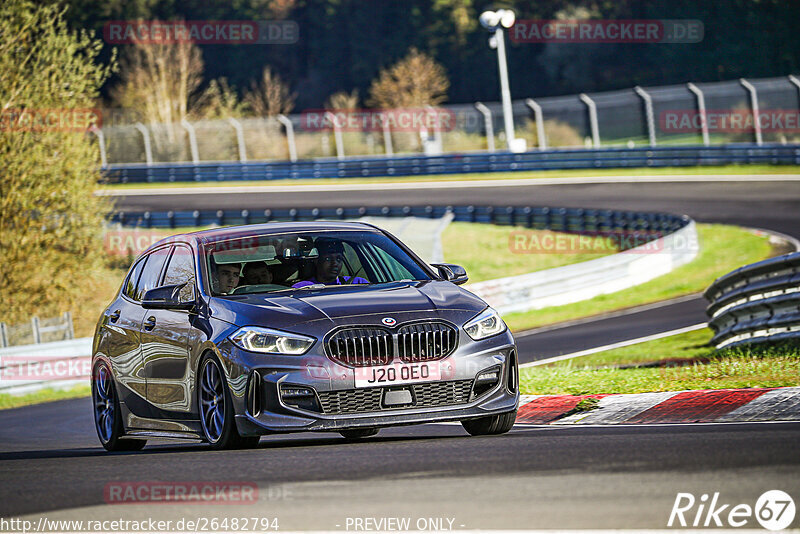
269 341
485 324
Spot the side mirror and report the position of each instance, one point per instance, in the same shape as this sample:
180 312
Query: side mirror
166 298
452 273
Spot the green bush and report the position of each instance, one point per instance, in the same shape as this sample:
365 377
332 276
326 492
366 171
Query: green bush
50 221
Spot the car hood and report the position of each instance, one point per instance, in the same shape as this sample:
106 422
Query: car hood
402 301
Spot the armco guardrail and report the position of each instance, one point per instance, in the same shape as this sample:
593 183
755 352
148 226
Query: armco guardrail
756 303
582 281
458 163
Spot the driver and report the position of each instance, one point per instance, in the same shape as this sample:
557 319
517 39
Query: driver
328 265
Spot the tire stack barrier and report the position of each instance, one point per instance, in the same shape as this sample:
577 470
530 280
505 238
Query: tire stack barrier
757 303
574 220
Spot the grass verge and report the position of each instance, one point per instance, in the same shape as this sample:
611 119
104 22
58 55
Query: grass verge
486 251
44 395
522 175
676 363
722 249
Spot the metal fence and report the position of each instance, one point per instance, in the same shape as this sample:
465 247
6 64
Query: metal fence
637 117
757 303
37 331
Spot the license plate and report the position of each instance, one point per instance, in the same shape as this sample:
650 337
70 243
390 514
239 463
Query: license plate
400 373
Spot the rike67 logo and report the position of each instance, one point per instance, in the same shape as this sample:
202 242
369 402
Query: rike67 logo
773 510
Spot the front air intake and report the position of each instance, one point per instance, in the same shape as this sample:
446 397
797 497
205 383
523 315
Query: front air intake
423 342
366 346
254 394
361 347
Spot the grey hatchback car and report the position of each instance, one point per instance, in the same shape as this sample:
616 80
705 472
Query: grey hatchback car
225 335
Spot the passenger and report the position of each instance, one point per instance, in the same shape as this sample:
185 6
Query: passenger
328 265
227 277
256 273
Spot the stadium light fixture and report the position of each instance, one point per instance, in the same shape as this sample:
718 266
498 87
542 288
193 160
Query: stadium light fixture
496 22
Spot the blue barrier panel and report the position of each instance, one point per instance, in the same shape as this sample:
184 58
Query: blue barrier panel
458 163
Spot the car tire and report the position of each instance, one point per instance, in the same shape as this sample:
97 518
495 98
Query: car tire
107 414
491 424
218 423
358 433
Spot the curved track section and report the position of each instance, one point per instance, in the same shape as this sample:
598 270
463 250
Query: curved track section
772 205
535 477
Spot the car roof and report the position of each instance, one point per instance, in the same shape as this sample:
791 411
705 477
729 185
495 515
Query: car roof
234 232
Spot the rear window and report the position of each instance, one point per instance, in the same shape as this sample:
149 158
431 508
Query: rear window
180 270
133 278
151 274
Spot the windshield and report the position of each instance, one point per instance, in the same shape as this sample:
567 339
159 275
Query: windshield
279 262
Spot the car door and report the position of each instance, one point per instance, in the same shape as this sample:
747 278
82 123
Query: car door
121 341
165 342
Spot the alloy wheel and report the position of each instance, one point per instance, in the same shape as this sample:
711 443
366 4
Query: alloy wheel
104 405
212 401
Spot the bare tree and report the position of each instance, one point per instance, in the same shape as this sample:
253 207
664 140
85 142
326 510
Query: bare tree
416 80
160 81
343 100
271 96
219 101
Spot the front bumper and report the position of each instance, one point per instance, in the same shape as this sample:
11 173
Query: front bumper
261 408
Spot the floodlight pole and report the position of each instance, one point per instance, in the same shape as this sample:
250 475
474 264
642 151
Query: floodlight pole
505 92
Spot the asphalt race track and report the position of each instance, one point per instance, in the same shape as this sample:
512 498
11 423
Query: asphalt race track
534 477
51 464
595 332
764 204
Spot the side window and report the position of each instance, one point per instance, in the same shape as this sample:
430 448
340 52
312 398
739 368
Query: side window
151 272
133 278
181 269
